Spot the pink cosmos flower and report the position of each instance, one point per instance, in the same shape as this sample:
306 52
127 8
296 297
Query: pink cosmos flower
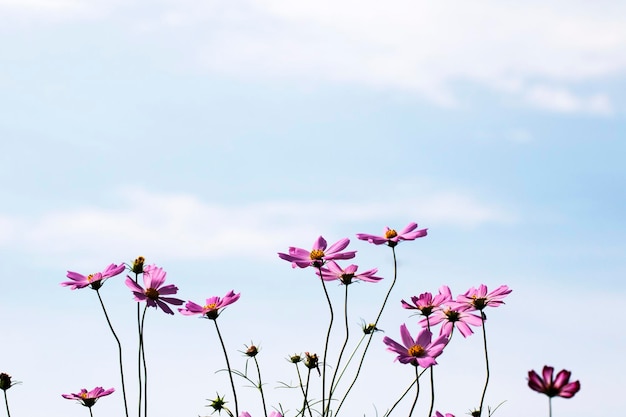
392 238
318 255
89 398
478 299
153 279
95 280
271 414
426 303
212 307
560 386
422 351
438 414
334 271
452 318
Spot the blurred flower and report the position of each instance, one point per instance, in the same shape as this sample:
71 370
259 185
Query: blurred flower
560 386
392 238
94 280
478 299
438 414
153 279
311 361
334 271
451 318
369 328
422 351
318 255
251 351
426 303
295 358
5 381
271 414
211 309
137 266
88 399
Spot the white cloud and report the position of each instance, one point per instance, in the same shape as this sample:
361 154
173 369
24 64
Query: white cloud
184 227
562 100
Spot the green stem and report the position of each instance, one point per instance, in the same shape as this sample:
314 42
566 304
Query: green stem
6 401
119 350
230 372
260 385
482 398
345 367
432 380
417 390
142 348
549 406
90 412
330 325
343 348
139 377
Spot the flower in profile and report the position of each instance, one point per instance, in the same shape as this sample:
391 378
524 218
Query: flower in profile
251 351
89 398
438 414
369 328
318 255
212 308
426 303
332 271
391 237
553 387
153 279
422 351
94 280
137 266
6 382
311 361
451 318
478 299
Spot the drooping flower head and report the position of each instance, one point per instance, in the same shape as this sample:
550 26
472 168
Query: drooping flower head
94 280
422 351
553 387
332 272
89 398
451 318
478 299
213 307
6 382
311 361
318 255
153 279
426 303
137 266
391 237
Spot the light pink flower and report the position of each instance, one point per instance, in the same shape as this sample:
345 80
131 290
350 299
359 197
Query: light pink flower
318 254
271 414
426 303
559 386
438 414
153 279
478 299
391 237
422 351
334 271
89 398
212 307
452 318
95 280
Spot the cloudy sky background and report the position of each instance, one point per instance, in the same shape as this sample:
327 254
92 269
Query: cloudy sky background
207 136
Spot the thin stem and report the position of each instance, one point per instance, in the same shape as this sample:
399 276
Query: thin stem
343 348
400 399
330 325
260 385
345 367
119 350
549 406
417 390
139 377
480 408
432 380
358 371
6 401
90 412
306 393
145 367
230 373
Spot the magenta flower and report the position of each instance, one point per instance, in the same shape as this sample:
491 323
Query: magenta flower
438 414
88 399
318 255
392 238
95 280
334 271
478 299
452 318
211 309
271 414
560 386
426 303
153 279
422 351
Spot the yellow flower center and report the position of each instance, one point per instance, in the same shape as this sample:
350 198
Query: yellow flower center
83 395
152 294
416 351
210 306
389 234
317 255
89 277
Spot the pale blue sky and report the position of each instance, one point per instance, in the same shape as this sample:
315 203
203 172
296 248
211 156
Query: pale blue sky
207 136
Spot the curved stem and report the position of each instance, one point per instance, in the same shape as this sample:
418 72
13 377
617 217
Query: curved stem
343 348
417 391
345 367
358 371
139 375
482 398
119 350
6 401
330 326
260 386
400 399
230 373
306 393
142 348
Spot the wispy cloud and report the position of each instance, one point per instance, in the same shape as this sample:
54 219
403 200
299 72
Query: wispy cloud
564 101
185 227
